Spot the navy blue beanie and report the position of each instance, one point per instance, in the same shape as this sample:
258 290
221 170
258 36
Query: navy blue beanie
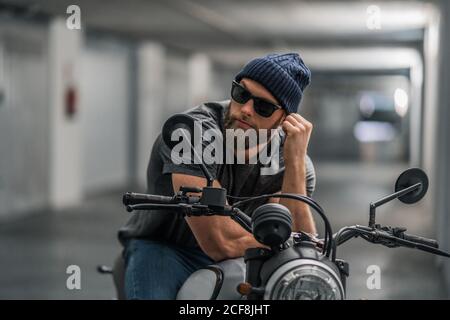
285 76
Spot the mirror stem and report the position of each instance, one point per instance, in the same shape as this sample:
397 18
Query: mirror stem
388 198
207 174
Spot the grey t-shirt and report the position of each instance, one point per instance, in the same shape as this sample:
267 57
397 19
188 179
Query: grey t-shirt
240 180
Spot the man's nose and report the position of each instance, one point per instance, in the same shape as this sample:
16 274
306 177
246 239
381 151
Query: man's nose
247 108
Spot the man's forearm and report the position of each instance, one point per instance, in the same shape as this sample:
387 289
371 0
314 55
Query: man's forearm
229 240
294 181
218 236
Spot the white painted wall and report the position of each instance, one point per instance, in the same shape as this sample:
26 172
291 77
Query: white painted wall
177 84
24 138
65 133
151 68
200 78
437 129
105 114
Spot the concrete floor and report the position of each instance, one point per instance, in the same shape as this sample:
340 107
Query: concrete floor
35 251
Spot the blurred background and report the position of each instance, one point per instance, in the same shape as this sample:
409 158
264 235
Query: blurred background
85 90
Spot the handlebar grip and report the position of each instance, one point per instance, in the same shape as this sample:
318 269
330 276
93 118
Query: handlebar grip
428 242
131 198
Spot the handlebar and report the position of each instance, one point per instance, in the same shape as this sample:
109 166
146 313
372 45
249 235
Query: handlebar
192 206
189 206
131 198
413 238
387 236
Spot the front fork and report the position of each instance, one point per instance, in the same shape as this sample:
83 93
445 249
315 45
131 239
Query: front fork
254 259
344 272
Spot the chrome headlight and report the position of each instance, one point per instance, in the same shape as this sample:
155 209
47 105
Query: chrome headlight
304 279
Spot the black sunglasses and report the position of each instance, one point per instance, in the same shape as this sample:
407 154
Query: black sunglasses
262 107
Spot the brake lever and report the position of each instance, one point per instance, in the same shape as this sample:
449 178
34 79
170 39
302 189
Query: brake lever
377 235
387 240
388 236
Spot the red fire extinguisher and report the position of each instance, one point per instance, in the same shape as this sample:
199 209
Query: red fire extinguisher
70 101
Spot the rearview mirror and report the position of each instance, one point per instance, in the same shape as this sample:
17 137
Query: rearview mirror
409 178
410 187
178 121
186 123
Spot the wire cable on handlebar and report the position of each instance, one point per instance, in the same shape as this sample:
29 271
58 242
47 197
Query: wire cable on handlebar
373 237
241 222
351 230
238 198
328 239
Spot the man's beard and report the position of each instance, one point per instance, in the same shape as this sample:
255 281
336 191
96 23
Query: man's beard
228 120
229 123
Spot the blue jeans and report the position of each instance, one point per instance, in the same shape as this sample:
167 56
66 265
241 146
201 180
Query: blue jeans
155 270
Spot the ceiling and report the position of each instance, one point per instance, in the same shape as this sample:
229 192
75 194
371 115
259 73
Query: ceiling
237 24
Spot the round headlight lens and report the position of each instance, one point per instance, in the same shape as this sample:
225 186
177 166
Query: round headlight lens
306 282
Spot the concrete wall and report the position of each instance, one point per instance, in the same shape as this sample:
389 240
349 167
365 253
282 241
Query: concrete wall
105 114
150 67
436 132
65 129
441 160
24 118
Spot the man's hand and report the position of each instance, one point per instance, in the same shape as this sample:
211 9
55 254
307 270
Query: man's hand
298 131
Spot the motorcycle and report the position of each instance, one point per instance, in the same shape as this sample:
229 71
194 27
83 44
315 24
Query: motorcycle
293 265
